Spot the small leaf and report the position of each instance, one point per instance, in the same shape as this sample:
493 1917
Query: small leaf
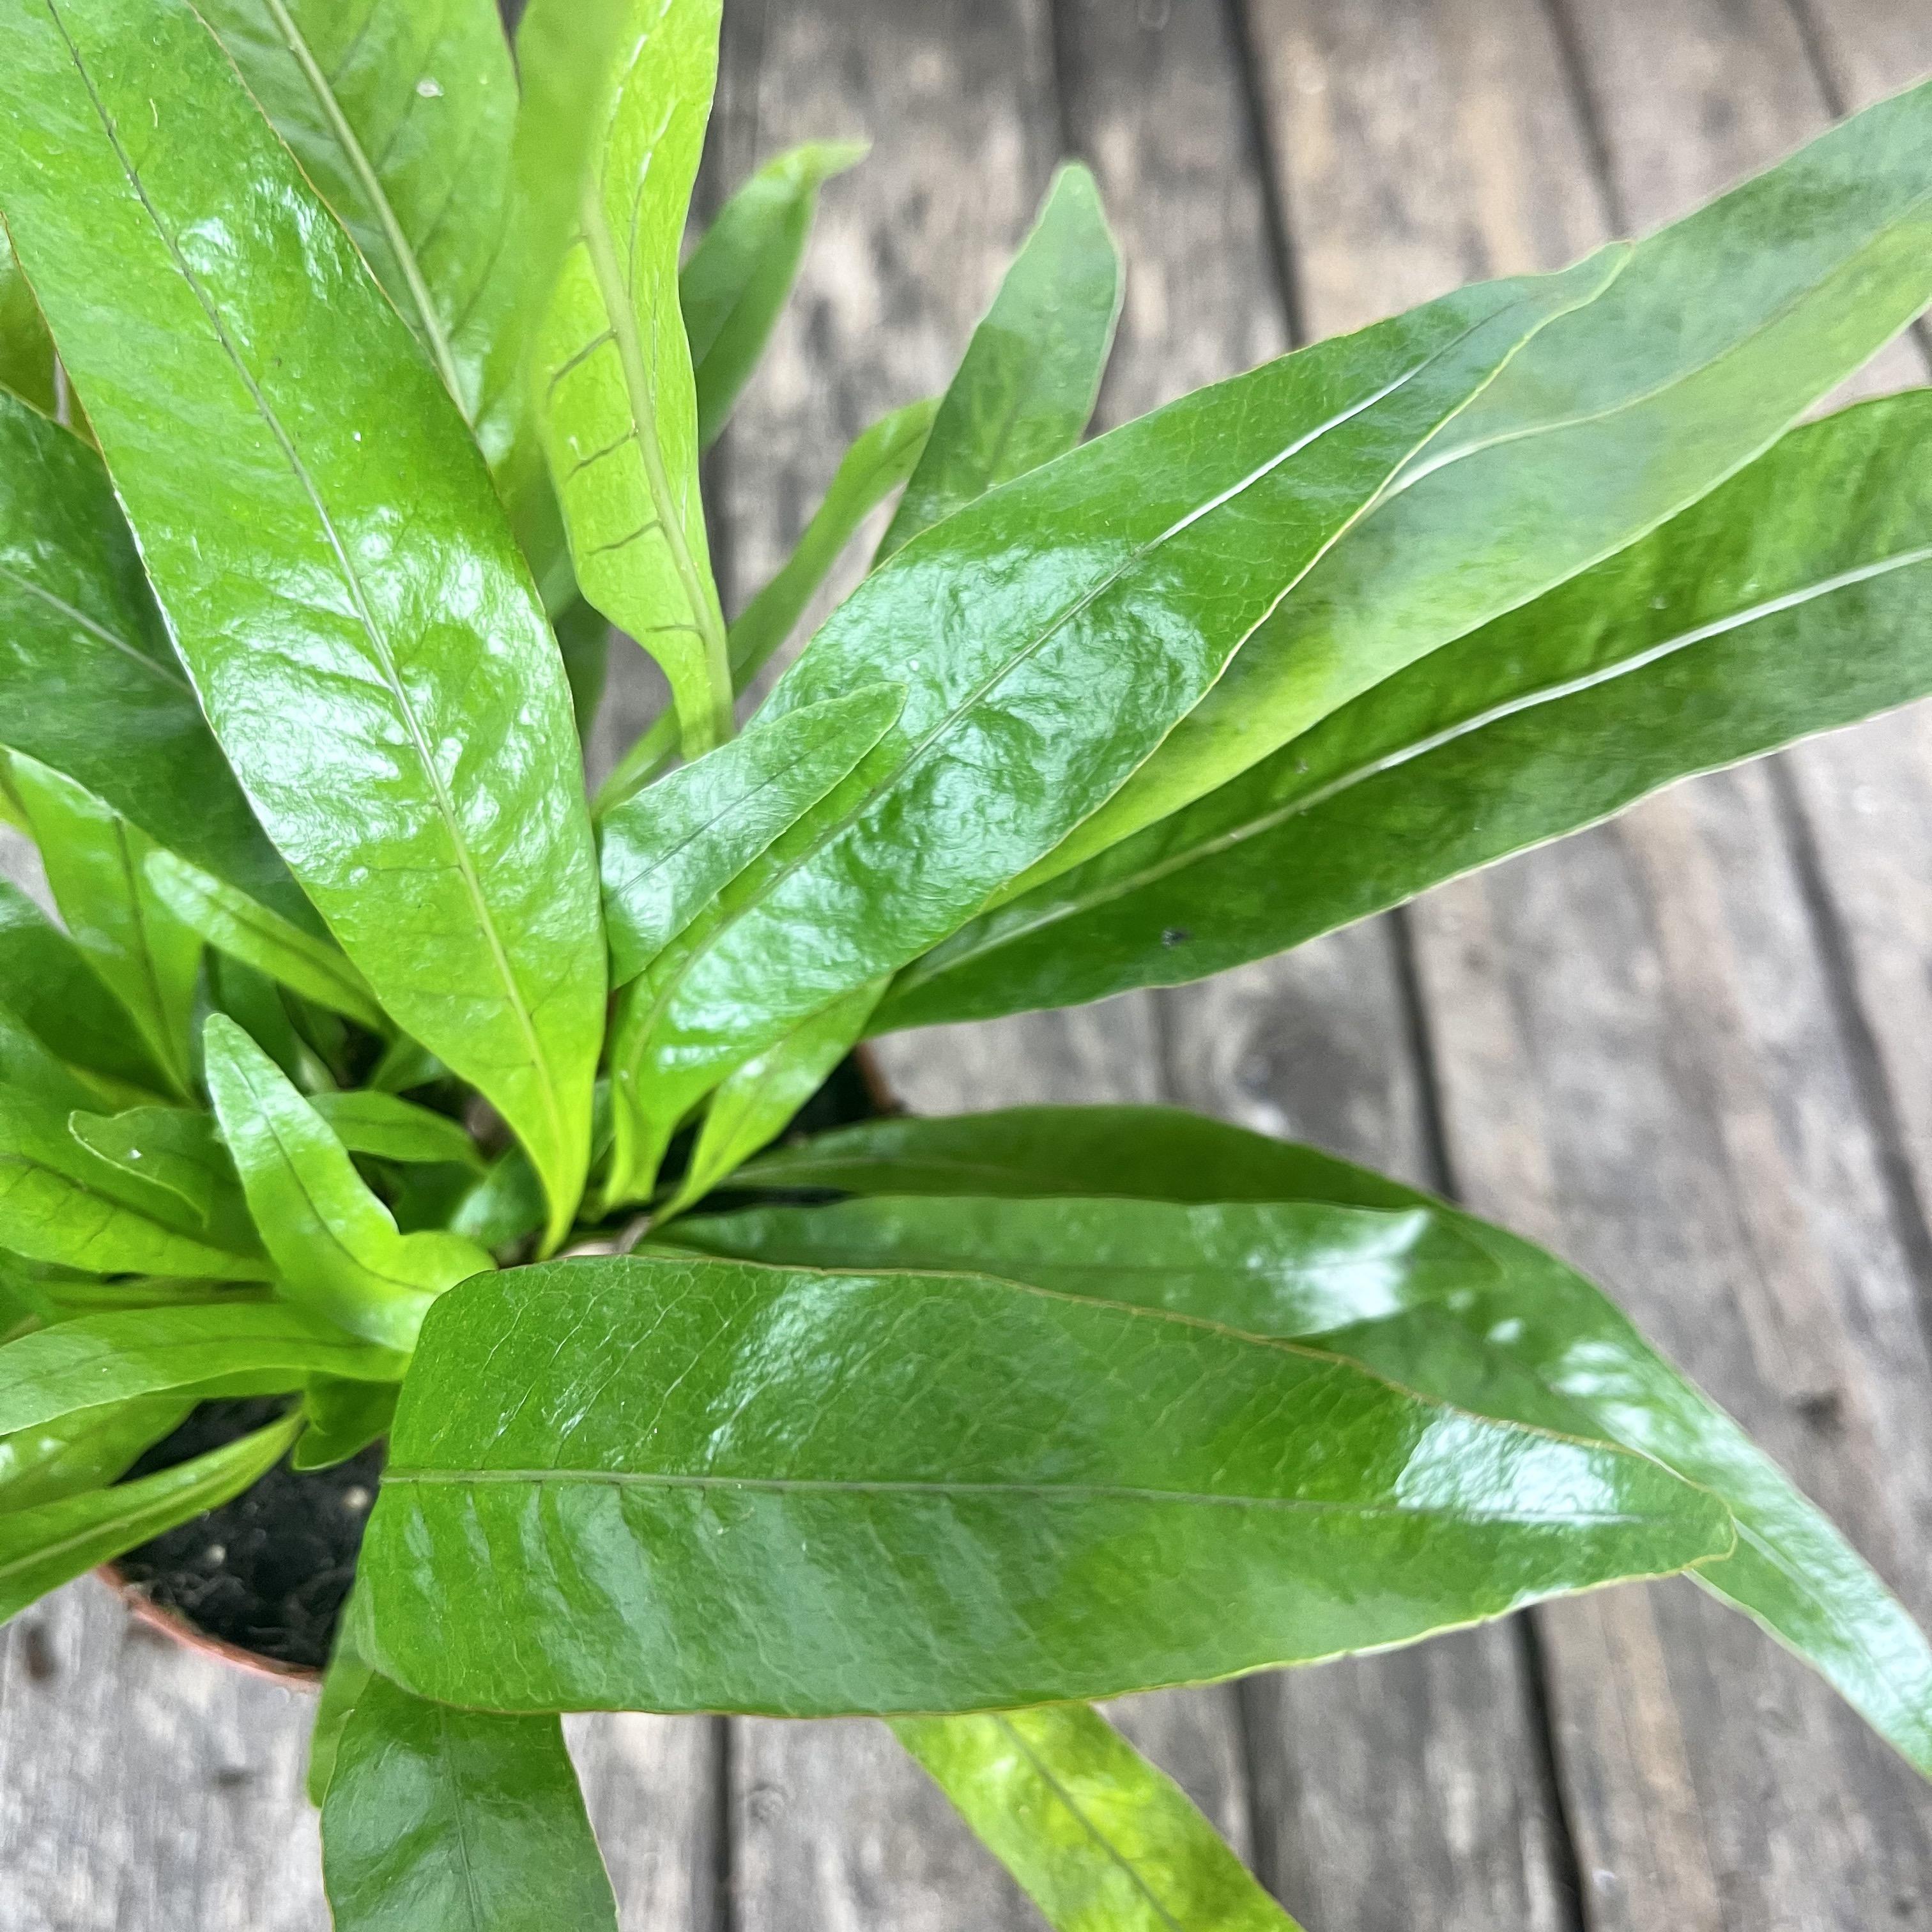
27 368
669 851
180 1151
389 1129
335 1244
879 460
339 652
762 1098
1102 1841
1027 384
41 1548
344 1418
85 1450
584 637
1081 1498
147 956
231 921
96 1359
440 1820
616 396
734 288
1787 602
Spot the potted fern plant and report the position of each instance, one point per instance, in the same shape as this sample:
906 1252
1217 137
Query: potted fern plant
382 1105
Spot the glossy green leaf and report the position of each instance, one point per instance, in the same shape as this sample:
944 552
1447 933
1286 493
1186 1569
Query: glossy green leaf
1102 1841
335 1243
254 1349
344 1418
615 392
758 1102
1725 327
1789 602
83 1451
1027 384
734 288
390 1128
264 412
41 1548
178 1151
1078 1497
27 368
879 460
62 1202
1290 1269
401 114
1537 1342
45 981
502 1208
343 1683
1048 635
248 931
89 684
667 852
147 957
439 1820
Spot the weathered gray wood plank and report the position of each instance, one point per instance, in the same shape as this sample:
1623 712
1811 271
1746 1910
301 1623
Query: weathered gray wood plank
1638 1058
1380 1782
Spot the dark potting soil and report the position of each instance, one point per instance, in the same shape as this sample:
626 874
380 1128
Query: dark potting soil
268 1571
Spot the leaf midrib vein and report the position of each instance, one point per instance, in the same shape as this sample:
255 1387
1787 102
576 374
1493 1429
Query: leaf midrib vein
440 351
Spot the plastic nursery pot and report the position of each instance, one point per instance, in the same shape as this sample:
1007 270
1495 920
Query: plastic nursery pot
260 1582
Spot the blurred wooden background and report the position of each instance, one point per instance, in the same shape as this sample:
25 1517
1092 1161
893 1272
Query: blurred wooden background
1692 1050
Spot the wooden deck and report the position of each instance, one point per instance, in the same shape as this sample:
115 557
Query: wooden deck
1694 1050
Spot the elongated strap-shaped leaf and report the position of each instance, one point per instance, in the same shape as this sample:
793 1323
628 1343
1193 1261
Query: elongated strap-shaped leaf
1724 329
248 931
1079 1497
81 1451
45 981
1102 1841
345 1680
26 350
334 1243
99 1359
402 116
758 1102
615 392
437 1820
1791 601
391 1129
734 287
147 957
1048 635
178 1151
1027 386
1537 1335
89 681
1285 1268
41 1548
264 410
667 852
881 459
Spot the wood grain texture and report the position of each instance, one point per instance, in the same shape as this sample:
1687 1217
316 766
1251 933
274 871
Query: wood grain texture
1639 1057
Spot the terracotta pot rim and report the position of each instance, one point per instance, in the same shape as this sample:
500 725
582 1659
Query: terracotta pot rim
305 1676
171 1623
